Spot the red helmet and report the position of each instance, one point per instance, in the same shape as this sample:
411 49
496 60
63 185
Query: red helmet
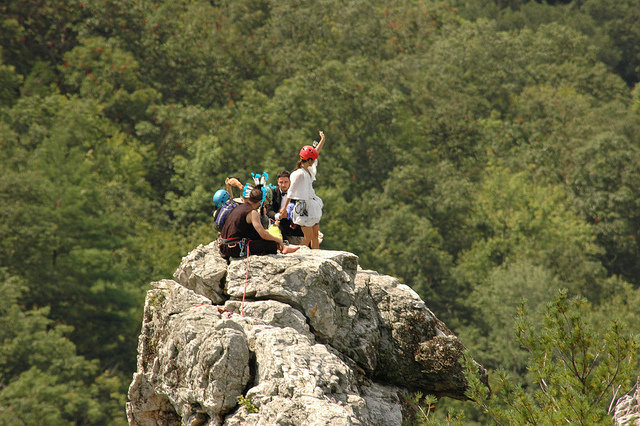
307 152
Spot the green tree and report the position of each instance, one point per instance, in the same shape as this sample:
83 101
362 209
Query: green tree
587 147
521 219
190 51
34 31
72 199
606 181
578 367
42 379
10 81
416 227
610 25
618 22
98 69
529 244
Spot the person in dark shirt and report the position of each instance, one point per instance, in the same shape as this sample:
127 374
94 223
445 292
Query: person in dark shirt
244 234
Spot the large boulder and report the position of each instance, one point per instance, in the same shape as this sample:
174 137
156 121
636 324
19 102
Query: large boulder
203 271
300 339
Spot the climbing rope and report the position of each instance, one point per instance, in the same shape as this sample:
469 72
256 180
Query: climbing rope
246 279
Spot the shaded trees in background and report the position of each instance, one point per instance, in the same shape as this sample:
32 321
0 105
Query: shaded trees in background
481 151
610 25
529 244
43 380
37 32
73 197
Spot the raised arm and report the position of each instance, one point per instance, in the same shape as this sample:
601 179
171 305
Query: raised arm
321 144
230 182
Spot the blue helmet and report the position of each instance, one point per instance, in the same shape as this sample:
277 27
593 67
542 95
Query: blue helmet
220 197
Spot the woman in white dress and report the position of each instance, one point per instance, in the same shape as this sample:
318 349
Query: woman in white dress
308 206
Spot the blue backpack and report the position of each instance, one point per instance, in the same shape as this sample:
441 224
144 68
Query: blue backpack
220 215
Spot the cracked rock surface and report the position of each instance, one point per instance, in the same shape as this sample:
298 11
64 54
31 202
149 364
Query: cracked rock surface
317 341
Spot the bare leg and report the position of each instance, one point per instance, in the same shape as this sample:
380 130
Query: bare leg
315 241
308 235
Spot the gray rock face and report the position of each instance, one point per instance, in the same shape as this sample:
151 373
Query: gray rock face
302 339
202 271
627 411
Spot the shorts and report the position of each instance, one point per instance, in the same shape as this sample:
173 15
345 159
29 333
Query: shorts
308 212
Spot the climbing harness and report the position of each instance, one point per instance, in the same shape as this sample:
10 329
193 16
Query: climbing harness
233 242
301 208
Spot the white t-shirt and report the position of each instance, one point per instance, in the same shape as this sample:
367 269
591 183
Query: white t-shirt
308 213
301 187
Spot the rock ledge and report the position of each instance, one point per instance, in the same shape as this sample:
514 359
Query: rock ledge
317 341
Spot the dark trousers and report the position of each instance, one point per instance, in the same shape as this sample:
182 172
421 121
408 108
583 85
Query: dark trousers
256 247
286 228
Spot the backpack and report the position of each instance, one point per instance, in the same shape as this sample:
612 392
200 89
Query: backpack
220 215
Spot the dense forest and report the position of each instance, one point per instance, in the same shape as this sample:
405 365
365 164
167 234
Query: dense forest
486 152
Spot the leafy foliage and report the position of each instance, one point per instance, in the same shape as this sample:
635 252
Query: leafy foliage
43 379
69 206
484 152
577 366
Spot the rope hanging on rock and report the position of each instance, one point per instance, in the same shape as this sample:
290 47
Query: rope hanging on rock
246 279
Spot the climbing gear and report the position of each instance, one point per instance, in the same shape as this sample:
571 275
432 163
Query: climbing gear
308 152
233 242
301 208
244 247
223 311
246 279
228 241
220 197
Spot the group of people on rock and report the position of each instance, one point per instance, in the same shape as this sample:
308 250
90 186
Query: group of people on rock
292 207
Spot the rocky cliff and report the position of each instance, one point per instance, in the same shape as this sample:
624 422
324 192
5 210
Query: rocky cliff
317 341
